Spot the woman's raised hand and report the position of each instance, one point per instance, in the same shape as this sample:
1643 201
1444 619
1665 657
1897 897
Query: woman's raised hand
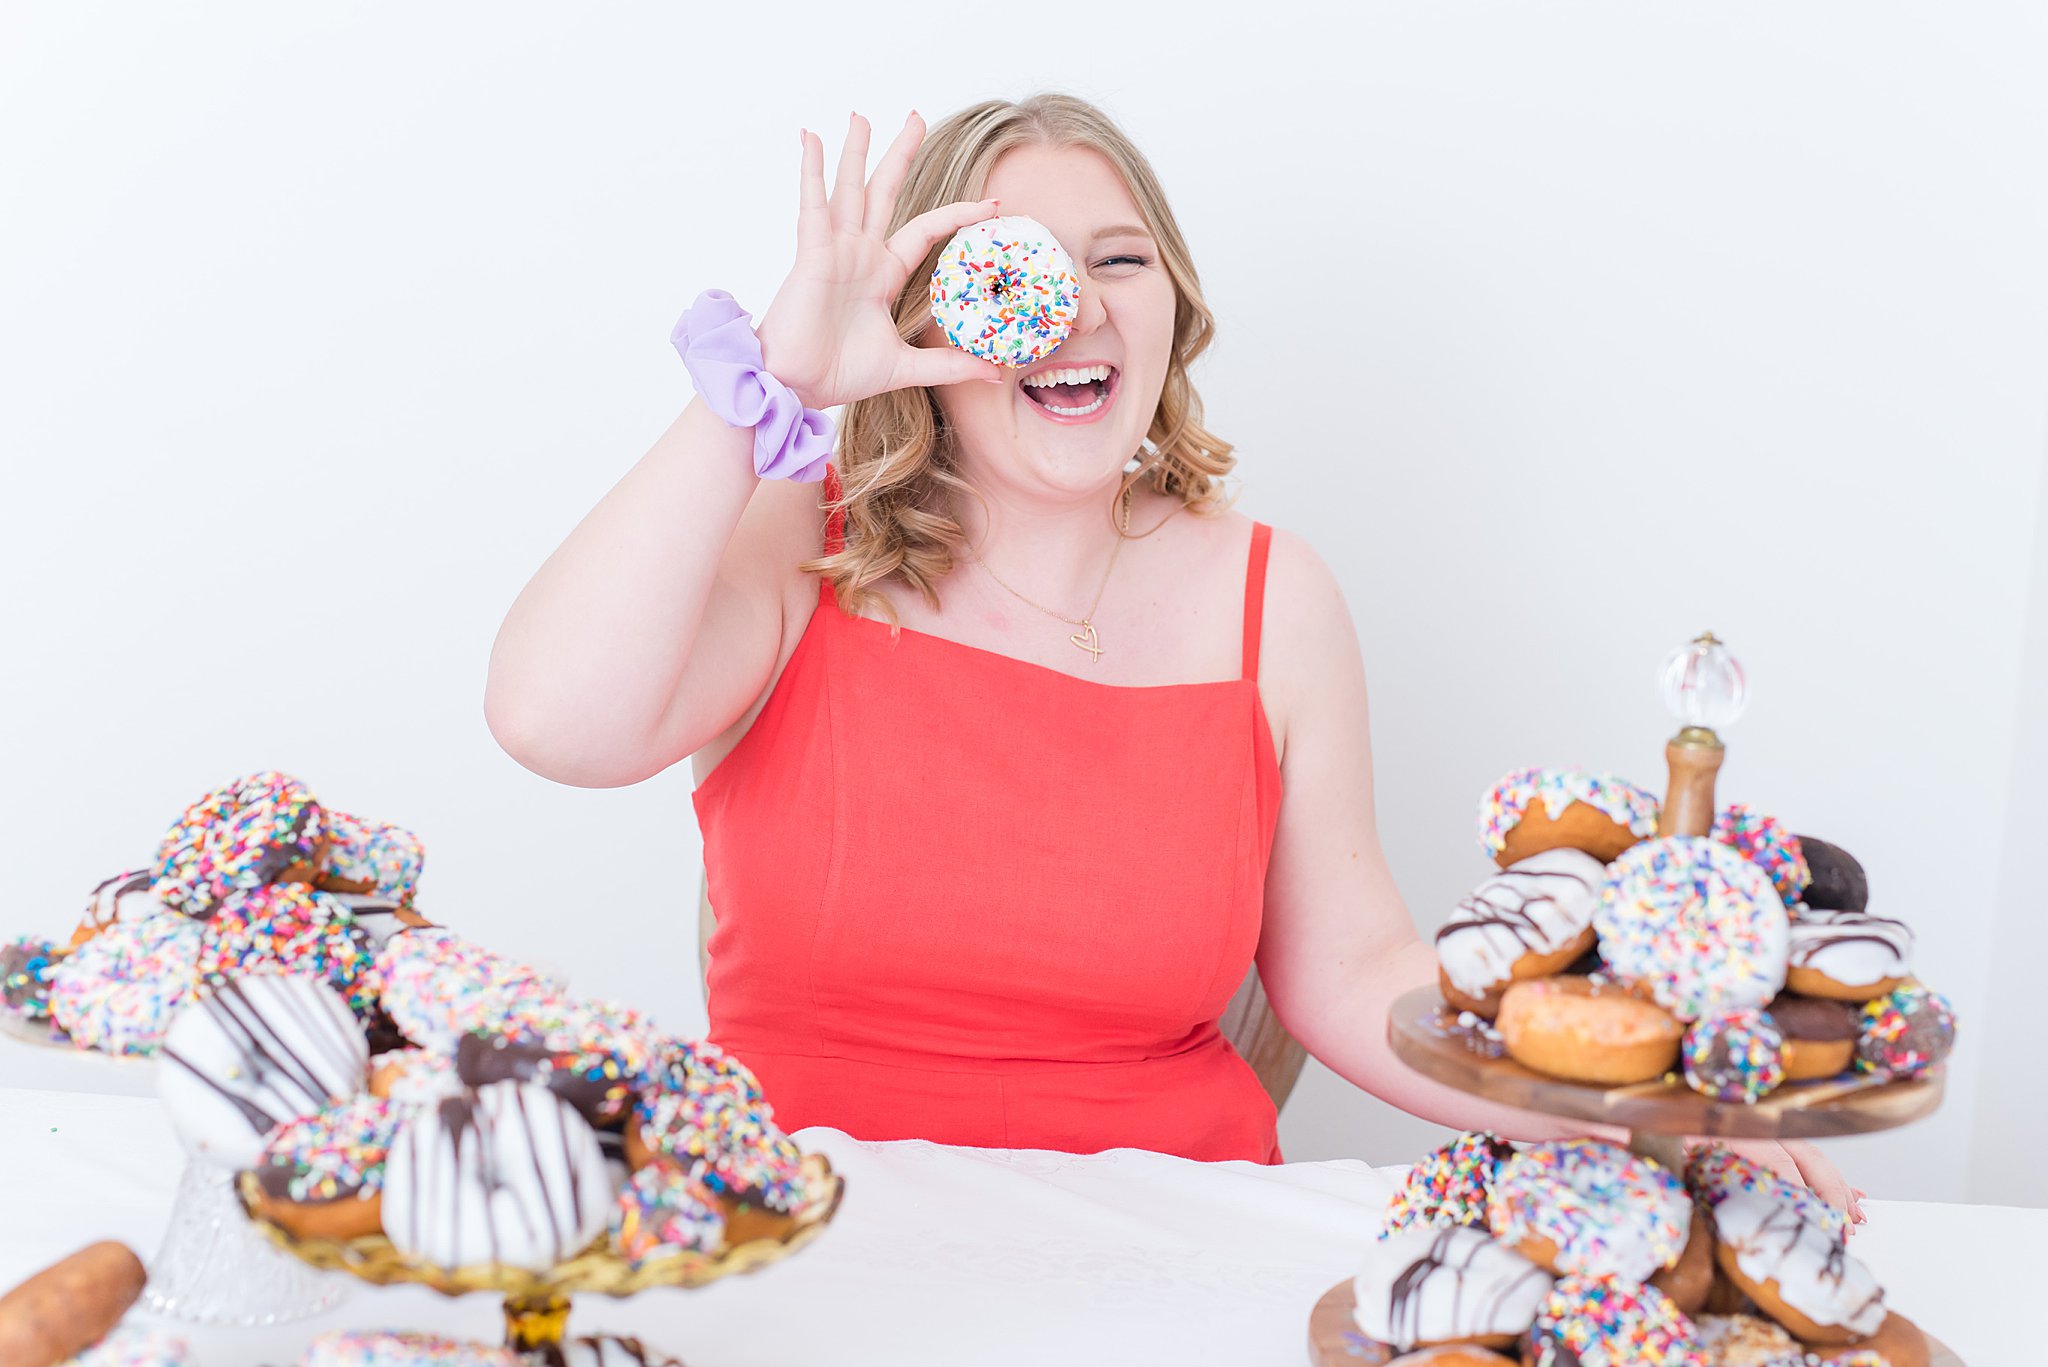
830 333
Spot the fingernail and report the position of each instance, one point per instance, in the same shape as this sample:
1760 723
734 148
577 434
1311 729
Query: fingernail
915 115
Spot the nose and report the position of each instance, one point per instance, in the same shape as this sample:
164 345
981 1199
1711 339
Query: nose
1091 313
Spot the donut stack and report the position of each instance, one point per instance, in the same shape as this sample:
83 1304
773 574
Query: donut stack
1578 1253
1745 958
514 1126
256 877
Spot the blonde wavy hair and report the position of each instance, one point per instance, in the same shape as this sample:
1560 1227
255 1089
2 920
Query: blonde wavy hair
896 459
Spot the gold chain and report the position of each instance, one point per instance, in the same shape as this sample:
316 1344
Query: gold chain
1086 638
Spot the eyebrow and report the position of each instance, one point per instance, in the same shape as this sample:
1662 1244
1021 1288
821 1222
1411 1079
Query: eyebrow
1119 230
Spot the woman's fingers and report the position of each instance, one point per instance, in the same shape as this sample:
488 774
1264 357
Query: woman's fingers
813 223
881 198
945 365
847 206
913 240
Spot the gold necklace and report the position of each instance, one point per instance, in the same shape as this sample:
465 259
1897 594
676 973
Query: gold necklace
1086 638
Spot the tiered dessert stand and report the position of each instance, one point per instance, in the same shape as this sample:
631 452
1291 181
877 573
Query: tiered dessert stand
537 1303
1704 687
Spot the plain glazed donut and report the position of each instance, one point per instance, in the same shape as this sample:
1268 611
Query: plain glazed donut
1587 1030
1529 921
261 828
1693 922
1006 291
1533 810
1797 1272
1588 1206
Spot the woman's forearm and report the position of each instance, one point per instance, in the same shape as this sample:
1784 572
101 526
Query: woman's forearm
587 663
1351 1039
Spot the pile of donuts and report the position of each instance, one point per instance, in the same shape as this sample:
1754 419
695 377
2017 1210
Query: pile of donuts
257 876
1578 1253
513 1127
73 1313
1746 958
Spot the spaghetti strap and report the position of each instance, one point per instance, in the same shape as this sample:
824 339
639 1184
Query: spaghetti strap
835 519
1255 598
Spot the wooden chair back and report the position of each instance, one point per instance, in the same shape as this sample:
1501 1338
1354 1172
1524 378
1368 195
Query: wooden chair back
1248 1022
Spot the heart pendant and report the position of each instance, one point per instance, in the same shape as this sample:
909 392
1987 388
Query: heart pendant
1086 639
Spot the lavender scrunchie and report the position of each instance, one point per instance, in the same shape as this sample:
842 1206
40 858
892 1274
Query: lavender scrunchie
723 356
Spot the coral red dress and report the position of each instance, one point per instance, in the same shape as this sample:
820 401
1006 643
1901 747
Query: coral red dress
966 898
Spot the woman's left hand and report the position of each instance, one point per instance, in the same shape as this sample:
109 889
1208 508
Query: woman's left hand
1798 1161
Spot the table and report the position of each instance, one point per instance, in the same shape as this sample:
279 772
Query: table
949 1255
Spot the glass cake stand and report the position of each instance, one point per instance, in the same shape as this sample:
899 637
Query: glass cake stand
537 1303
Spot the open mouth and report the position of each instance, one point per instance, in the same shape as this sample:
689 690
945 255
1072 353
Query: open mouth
1072 393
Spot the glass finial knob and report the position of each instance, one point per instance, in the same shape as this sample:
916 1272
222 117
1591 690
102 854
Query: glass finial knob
1703 684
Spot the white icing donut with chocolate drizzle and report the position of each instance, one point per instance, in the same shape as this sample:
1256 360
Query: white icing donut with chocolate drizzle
602 1350
252 1053
124 897
507 1175
1440 1285
1851 947
1538 906
1814 1271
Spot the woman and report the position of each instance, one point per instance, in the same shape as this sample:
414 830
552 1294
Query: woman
1008 766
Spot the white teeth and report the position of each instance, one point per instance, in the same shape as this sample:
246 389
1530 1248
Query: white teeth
1045 378
1076 412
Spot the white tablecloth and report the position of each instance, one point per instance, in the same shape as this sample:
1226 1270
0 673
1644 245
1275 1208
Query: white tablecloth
955 1256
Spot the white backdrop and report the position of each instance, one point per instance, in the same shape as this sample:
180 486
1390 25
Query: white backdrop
1562 330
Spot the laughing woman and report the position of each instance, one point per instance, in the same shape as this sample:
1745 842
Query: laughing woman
1016 748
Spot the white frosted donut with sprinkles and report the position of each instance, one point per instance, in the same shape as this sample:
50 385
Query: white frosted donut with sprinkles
1587 1206
1006 291
350 1348
1695 924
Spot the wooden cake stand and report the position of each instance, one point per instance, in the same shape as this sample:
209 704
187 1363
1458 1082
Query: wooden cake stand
1427 1037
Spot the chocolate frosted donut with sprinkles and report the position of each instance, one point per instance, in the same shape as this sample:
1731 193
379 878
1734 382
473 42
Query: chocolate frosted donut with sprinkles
1764 841
1450 1187
372 857
1006 291
1432 1286
1734 1056
1693 923
261 828
1906 1032
663 1211
1533 810
26 964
